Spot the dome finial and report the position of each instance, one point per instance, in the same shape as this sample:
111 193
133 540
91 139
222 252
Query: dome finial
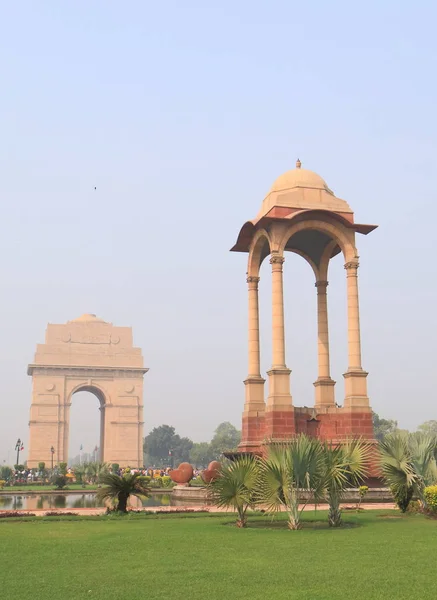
298 164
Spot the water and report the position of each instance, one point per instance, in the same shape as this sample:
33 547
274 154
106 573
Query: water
22 501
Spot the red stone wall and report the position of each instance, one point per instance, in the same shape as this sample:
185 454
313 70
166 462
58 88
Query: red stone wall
337 424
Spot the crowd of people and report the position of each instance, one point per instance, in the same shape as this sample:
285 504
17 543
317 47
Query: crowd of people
24 475
154 472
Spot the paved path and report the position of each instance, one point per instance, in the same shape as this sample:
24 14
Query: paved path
199 508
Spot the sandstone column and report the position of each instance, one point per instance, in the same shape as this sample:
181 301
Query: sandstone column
355 377
279 412
278 330
254 354
353 316
324 384
254 408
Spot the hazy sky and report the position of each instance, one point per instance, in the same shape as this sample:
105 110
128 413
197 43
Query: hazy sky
182 114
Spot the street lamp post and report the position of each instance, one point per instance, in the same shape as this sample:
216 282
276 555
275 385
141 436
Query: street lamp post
52 450
18 448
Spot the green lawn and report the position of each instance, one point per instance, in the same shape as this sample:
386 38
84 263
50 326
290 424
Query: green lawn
37 487
201 558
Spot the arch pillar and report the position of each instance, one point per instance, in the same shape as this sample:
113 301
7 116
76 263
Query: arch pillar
355 376
254 408
324 385
279 421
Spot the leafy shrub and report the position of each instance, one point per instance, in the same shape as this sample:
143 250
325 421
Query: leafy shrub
156 482
197 482
2 483
60 481
415 507
41 466
115 467
63 467
166 481
431 498
402 496
59 513
362 491
145 479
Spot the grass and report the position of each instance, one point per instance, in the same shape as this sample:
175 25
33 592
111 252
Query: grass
178 557
36 487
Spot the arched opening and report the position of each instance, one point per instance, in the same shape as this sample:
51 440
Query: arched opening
265 317
86 429
300 322
318 248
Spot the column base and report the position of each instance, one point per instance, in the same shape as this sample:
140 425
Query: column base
279 423
325 392
253 423
336 424
279 388
252 431
356 388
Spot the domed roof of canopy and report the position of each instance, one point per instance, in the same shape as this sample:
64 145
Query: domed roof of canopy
299 178
296 194
302 189
87 318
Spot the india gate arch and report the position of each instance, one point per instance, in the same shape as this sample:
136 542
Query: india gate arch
87 354
301 214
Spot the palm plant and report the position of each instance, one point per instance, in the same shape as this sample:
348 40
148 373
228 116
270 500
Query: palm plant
290 474
235 486
398 469
119 488
79 473
95 470
344 465
423 448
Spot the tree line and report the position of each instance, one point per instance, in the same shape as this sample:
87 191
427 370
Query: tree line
164 447
384 427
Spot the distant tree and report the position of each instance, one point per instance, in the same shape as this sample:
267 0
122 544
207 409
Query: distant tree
226 437
181 449
5 473
383 427
429 427
161 440
201 454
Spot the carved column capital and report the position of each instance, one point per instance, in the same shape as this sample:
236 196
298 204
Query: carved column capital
321 286
253 282
352 266
277 261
